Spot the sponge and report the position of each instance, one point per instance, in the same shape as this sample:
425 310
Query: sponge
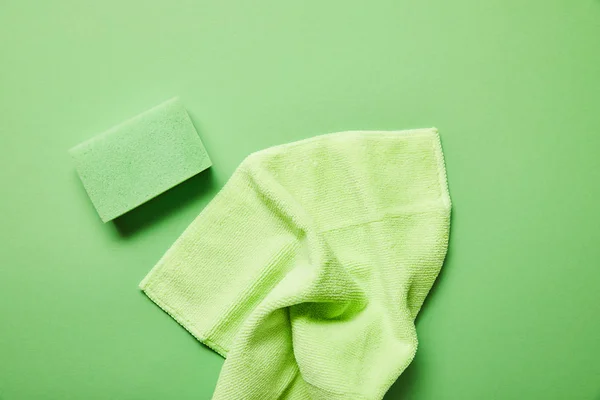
139 159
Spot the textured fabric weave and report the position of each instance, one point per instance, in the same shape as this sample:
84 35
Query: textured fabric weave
308 269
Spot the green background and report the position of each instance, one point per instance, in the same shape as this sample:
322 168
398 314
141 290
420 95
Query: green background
512 85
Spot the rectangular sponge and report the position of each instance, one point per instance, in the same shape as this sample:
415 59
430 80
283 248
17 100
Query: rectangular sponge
139 159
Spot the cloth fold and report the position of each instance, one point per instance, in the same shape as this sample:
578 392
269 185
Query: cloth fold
308 269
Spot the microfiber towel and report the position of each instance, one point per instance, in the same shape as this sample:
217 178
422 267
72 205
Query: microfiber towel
307 270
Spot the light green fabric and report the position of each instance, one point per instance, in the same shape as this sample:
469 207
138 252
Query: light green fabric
308 269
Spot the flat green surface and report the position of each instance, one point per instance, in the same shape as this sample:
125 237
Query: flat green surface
513 86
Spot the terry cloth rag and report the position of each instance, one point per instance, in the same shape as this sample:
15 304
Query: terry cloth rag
307 270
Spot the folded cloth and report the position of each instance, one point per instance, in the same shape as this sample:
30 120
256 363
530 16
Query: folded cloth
308 269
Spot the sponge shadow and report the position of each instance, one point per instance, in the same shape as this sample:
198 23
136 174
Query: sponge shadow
158 208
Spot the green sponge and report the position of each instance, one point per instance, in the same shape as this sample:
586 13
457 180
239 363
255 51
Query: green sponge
139 159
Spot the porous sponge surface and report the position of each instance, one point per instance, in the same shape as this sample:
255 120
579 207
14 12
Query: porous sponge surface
139 159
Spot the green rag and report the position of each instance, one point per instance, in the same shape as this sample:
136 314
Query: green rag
307 270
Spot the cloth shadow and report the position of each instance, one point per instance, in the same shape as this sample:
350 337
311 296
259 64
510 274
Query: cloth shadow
405 384
160 207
